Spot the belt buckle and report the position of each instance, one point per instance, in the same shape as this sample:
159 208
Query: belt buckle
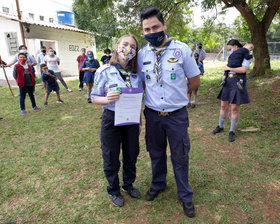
230 76
163 113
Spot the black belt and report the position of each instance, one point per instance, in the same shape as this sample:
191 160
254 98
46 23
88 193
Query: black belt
159 113
109 111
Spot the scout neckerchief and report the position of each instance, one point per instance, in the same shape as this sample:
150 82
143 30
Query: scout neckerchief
126 75
159 52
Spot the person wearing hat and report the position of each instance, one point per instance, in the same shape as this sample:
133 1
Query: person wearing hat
89 66
201 69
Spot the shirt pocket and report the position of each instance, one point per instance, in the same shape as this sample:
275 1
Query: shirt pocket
149 73
173 71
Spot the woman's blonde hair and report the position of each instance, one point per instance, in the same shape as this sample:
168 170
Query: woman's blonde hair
133 62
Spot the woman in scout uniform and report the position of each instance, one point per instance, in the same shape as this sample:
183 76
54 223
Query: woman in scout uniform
121 72
231 94
89 66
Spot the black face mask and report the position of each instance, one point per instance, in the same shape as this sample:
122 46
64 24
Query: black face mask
43 51
199 47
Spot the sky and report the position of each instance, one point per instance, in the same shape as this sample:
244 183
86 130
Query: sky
228 18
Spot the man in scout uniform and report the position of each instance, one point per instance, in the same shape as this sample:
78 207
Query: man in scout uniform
164 64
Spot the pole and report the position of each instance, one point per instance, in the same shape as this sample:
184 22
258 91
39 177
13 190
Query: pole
8 80
20 24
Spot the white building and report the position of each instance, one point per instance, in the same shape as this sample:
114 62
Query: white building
41 28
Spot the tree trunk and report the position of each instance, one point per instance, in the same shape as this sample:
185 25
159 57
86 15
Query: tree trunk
107 42
261 54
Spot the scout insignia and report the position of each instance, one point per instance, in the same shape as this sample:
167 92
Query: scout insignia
177 53
148 77
173 76
172 60
119 89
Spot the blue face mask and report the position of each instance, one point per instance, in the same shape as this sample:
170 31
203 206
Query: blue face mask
90 58
156 39
51 53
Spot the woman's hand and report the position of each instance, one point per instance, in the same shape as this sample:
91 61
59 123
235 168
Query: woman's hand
113 96
227 68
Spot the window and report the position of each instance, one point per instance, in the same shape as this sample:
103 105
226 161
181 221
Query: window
51 20
41 18
12 42
31 15
5 9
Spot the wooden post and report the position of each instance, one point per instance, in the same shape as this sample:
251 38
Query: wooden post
20 24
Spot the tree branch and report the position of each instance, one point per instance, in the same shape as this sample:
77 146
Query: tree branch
272 9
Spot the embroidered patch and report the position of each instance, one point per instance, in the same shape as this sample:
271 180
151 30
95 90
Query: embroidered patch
113 85
148 77
172 60
177 53
134 76
147 62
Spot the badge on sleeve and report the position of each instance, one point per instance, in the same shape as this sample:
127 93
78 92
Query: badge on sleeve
177 53
173 76
95 82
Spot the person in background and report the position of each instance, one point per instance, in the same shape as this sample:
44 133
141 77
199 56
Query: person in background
53 61
230 95
201 69
24 77
164 64
89 66
200 52
121 72
80 59
30 59
106 58
40 58
50 83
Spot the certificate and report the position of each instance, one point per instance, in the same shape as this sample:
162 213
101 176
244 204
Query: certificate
128 107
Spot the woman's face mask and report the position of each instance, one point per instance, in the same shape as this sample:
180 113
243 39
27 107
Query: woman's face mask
126 53
51 53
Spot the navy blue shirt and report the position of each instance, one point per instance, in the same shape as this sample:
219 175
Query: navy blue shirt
90 64
105 59
51 82
236 58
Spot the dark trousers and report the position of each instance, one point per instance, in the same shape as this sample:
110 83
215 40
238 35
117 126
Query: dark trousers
81 77
22 92
173 127
112 137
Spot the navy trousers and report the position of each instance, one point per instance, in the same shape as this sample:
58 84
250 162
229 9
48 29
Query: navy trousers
112 138
22 92
173 127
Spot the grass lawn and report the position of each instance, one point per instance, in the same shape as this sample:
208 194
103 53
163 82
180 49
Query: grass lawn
51 162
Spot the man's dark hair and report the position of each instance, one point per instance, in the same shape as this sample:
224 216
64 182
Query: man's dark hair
200 44
42 65
22 54
151 12
43 47
21 46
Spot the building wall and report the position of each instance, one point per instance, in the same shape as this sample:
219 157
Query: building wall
68 45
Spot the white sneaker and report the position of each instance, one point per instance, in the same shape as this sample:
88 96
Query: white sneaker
69 90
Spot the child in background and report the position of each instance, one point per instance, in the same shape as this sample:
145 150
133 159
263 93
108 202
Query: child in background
24 77
235 60
201 68
53 62
106 58
90 66
50 83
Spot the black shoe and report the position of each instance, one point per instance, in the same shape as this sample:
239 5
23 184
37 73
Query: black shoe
231 136
239 85
223 83
193 105
188 105
189 209
118 200
89 100
217 130
133 192
151 194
